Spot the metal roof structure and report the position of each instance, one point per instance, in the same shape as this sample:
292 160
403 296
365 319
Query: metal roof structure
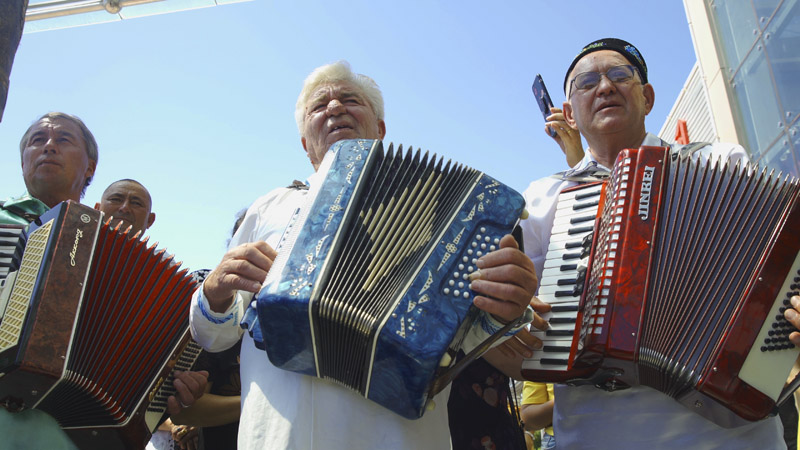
55 14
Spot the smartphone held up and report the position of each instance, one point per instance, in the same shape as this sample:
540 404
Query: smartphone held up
543 100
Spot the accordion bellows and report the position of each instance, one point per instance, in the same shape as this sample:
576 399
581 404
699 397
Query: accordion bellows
370 288
94 325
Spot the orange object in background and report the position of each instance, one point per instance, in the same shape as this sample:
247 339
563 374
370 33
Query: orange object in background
681 133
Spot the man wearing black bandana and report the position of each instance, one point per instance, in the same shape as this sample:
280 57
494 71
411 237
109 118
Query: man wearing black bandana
608 97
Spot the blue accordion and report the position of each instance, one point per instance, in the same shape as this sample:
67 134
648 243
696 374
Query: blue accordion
370 288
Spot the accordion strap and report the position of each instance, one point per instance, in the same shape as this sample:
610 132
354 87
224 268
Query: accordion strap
19 212
448 375
788 390
593 172
298 185
588 174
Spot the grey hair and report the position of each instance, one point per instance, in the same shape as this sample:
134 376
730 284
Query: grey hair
88 137
336 72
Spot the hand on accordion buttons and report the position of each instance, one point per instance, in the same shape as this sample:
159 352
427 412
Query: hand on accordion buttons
189 386
506 279
243 268
793 316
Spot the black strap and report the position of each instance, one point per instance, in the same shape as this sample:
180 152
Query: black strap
588 174
515 413
299 185
517 233
29 217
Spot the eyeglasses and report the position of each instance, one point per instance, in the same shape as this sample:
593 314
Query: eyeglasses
588 80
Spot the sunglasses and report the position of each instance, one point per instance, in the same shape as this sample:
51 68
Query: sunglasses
588 80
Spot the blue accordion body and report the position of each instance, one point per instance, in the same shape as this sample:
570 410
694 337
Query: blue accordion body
320 322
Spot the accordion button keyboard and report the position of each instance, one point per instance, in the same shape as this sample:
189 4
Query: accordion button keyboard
564 265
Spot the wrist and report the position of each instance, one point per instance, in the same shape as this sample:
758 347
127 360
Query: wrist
216 314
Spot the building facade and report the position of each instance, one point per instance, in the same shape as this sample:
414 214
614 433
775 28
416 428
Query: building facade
748 61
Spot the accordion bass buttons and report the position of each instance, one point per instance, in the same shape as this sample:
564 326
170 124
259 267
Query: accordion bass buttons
458 283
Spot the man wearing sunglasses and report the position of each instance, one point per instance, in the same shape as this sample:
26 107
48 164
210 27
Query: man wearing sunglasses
608 97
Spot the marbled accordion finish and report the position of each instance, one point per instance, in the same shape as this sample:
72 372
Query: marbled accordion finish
430 307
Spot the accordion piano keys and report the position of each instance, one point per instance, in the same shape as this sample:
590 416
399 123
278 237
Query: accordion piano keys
564 269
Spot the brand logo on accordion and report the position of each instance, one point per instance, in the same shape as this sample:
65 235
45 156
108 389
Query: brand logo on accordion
78 236
644 195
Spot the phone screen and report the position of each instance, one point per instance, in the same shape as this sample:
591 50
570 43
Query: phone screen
543 100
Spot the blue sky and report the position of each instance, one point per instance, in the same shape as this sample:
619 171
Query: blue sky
199 105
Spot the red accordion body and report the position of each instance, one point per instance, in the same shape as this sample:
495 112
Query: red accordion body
690 267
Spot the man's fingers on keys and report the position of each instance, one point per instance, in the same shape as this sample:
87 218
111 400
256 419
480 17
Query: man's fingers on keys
539 323
528 341
540 306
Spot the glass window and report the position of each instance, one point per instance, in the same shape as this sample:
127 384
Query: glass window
780 156
757 104
782 40
737 27
764 10
794 132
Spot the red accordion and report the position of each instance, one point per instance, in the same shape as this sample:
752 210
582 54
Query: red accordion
674 274
95 323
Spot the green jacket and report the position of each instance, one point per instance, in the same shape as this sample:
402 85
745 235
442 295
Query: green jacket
21 210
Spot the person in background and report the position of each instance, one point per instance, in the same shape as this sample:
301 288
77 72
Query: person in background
537 411
129 204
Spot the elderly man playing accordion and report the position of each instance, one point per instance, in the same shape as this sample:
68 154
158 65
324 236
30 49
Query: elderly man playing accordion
283 409
608 97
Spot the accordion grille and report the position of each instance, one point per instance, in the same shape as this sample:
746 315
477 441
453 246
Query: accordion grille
14 317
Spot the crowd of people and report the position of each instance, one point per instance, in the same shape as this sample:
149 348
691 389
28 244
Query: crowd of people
234 396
